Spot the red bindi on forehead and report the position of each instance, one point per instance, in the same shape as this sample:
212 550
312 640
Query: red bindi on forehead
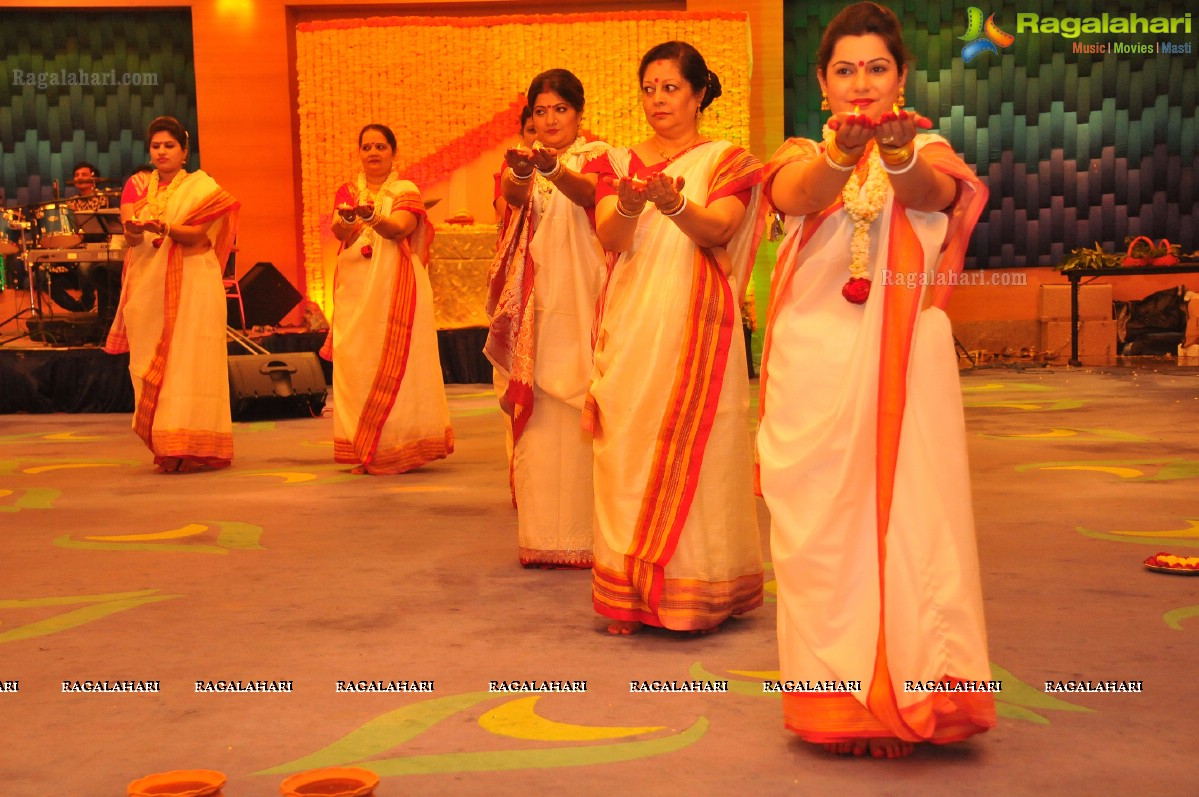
861 63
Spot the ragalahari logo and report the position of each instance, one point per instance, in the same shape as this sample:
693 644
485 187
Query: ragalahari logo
982 37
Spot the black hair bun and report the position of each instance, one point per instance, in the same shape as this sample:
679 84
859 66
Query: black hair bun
713 91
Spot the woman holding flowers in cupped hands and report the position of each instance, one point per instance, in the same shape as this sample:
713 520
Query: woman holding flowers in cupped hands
677 542
862 446
389 408
542 290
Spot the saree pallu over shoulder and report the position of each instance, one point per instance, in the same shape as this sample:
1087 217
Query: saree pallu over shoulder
511 338
738 171
895 372
382 328
668 280
218 205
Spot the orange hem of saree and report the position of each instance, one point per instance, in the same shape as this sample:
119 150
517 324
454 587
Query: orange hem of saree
401 459
823 717
683 604
196 443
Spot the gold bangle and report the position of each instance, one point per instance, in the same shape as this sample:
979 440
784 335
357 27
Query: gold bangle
677 209
628 214
553 173
839 158
896 156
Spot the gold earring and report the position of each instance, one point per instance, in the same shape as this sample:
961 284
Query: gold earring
900 101
824 106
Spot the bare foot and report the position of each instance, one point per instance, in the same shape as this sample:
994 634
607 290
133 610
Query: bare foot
359 471
704 631
193 466
623 627
169 465
879 748
890 748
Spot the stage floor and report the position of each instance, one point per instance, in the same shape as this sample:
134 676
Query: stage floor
287 568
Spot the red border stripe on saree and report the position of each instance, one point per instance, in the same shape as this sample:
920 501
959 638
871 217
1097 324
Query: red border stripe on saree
683 435
393 360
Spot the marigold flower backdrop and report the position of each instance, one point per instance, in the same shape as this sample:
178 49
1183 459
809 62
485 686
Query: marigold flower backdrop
452 88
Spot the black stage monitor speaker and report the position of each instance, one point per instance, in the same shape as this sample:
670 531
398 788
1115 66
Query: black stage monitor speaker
267 296
285 384
76 329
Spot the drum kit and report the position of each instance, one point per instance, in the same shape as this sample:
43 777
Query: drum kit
59 240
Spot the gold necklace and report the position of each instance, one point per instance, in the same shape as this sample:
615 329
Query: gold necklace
695 142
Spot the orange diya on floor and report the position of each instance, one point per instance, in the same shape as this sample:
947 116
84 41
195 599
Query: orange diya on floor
179 783
331 782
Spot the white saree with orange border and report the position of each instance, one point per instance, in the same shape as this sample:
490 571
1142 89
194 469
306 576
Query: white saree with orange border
544 285
677 542
171 320
389 407
862 457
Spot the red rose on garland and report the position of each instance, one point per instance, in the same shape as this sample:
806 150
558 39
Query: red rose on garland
856 290
367 251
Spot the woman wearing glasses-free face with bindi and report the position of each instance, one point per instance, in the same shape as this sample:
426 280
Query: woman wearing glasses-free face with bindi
391 413
180 228
877 217
545 281
669 395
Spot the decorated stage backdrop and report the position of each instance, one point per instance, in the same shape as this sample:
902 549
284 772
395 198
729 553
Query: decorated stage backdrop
452 89
81 85
1084 133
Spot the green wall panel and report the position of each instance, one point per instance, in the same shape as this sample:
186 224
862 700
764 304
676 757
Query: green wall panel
1076 148
45 131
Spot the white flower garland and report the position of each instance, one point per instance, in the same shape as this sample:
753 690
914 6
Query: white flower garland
156 201
863 207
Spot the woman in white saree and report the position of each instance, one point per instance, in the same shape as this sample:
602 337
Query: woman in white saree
862 446
543 288
389 407
171 315
677 542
